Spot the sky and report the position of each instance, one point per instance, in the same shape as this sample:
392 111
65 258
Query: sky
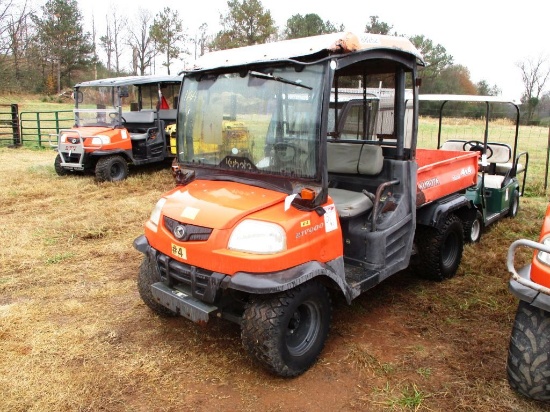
488 37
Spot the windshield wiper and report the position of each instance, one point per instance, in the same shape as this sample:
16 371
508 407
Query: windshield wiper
268 76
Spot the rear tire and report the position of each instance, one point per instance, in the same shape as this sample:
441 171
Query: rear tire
287 331
149 274
111 169
440 250
61 171
474 228
528 364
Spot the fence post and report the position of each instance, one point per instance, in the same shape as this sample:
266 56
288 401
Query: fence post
38 129
57 122
15 124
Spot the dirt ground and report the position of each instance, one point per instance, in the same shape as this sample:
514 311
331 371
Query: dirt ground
75 336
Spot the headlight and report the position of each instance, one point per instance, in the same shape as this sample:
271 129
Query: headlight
63 138
254 236
155 214
99 140
543 256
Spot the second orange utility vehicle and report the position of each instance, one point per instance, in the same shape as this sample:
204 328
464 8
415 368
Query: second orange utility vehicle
260 234
119 121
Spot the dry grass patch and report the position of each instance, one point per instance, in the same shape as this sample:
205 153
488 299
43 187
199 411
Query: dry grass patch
74 334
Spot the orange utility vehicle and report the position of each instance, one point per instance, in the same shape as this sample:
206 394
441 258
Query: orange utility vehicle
528 363
118 121
259 236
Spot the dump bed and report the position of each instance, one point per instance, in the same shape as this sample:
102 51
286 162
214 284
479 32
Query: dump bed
443 172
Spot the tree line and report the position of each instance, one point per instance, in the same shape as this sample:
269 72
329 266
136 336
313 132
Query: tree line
46 50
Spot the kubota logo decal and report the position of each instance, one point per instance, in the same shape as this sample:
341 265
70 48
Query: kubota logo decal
426 184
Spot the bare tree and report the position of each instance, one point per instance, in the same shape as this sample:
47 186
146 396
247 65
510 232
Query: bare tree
106 42
111 41
94 46
534 73
119 24
142 44
201 41
16 35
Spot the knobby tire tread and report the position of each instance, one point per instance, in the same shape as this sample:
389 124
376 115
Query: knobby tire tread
148 274
263 321
528 364
429 242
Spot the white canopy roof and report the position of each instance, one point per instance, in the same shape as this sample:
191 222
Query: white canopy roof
337 43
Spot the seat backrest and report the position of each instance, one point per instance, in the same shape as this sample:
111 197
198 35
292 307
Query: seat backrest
169 115
350 158
454 145
371 160
343 157
139 117
502 153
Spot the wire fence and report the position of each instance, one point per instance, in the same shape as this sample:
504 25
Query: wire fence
534 140
34 129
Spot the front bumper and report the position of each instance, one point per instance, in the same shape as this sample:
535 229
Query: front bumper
197 294
178 300
521 285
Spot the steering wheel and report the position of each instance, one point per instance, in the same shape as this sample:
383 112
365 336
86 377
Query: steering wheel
477 146
113 116
284 152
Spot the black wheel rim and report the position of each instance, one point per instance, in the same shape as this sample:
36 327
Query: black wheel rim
116 171
303 329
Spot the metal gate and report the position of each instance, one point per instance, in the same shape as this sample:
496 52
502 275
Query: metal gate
36 127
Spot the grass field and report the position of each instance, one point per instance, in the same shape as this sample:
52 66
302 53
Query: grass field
75 336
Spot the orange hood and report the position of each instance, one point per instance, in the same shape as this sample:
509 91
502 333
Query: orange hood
217 204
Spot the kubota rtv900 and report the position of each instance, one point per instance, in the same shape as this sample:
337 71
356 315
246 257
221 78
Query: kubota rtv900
118 122
319 199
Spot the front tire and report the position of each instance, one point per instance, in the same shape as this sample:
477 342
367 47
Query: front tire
60 170
111 169
149 274
287 331
440 250
528 364
514 204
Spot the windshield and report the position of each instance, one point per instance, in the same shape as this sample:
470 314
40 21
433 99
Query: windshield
256 122
97 106
102 105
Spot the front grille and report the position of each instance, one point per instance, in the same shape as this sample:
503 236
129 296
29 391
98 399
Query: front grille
204 284
73 158
192 232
